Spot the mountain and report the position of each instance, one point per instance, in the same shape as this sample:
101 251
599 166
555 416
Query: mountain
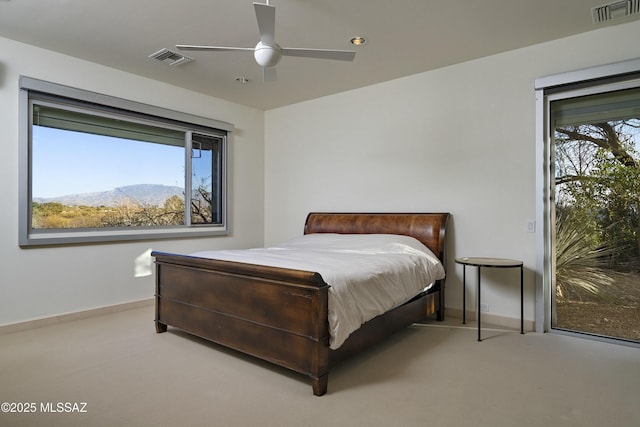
139 194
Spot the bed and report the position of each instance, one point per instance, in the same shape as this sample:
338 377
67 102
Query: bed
281 315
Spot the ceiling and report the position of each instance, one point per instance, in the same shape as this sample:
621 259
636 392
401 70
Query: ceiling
404 37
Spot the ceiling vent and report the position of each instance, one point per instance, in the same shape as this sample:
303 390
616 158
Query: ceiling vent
172 58
615 10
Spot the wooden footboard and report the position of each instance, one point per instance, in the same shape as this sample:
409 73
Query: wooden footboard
278 314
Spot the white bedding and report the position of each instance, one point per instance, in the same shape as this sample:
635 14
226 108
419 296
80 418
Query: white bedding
368 273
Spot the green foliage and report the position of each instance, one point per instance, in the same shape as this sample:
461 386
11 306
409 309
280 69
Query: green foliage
131 214
582 265
59 216
598 182
597 203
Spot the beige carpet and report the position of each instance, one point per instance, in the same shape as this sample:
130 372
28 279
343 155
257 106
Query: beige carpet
429 375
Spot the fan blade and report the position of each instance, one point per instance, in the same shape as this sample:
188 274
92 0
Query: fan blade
269 74
266 16
214 48
339 55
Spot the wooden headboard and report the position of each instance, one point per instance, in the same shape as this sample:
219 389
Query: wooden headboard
429 228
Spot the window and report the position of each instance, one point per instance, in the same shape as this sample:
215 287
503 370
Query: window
590 180
96 168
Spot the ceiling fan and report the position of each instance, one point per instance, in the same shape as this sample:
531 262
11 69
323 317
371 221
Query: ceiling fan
267 52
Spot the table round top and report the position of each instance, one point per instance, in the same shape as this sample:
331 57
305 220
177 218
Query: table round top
489 262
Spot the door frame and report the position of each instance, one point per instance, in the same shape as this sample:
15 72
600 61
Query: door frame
604 78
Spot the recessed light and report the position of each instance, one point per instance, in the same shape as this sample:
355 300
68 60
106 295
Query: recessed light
358 41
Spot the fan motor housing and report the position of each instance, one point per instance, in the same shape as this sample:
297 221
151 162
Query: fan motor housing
266 55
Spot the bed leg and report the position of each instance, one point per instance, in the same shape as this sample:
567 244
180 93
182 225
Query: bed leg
440 311
320 385
160 327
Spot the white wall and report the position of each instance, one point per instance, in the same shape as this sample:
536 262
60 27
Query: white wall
42 282
459 139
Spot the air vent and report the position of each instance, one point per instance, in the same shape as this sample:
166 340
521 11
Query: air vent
615 10
172 58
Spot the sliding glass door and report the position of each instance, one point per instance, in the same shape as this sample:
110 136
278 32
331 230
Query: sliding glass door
595 214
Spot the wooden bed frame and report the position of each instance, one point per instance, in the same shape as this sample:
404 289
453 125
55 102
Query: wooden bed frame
279 314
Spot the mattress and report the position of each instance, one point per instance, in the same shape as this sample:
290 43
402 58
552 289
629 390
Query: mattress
368 274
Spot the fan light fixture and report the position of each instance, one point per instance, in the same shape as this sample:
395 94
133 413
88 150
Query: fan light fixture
267 52
358 40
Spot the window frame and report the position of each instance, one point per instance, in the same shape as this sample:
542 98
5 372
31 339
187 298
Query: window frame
30 89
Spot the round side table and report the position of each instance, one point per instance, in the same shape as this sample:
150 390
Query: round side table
491 263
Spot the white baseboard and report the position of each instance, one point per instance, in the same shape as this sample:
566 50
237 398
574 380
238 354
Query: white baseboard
488 318
491 319
79 315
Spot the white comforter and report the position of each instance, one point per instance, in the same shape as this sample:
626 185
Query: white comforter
368 273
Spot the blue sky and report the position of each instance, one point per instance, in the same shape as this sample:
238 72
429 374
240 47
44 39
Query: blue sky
72 163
